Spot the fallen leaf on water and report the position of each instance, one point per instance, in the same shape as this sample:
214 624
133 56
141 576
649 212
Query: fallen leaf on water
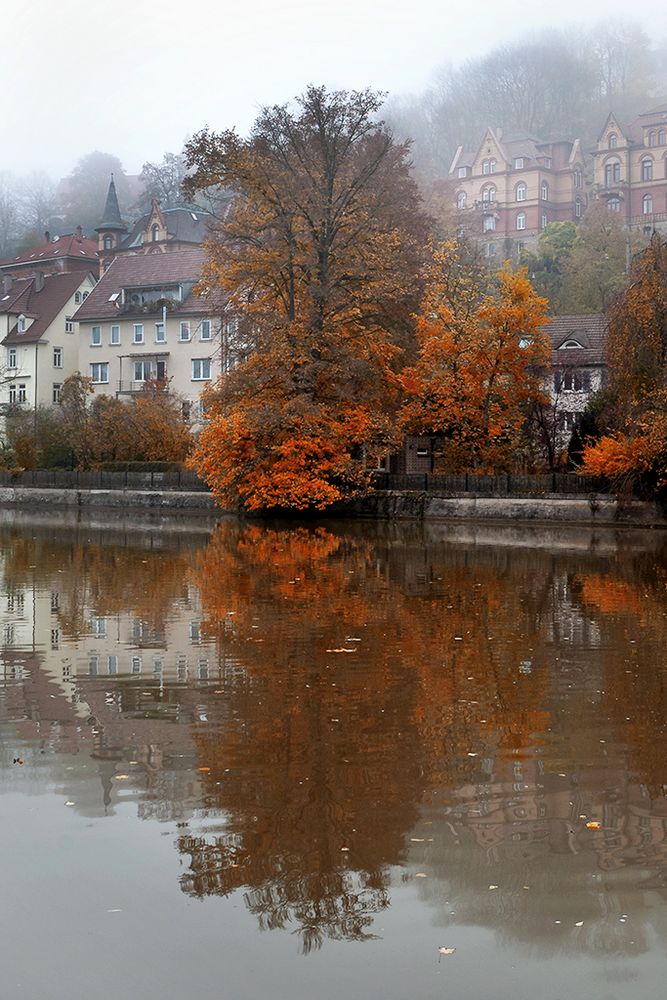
121 777
593 825
342 649
493 887
203 768
446 951
417 840
69 803
579 923
421 875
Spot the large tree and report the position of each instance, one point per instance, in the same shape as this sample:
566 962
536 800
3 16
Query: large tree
481 365
318 256
83 193
635 445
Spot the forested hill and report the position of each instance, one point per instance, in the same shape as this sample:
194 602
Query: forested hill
555 85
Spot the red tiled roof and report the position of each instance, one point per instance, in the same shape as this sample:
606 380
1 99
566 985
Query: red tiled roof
56 249
43 305
146 270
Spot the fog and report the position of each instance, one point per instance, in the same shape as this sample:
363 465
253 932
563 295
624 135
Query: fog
135 77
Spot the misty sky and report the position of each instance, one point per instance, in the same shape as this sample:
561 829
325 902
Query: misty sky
134 77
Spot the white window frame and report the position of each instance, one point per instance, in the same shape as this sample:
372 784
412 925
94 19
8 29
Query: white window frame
99 372
519 163
21 395
521 191
489 224
96 336
57 357
198 364
521 220
11 357
55 393
137 333
463 171
184 328
647 205
114 338
142 366
205 330
544 191
160 332
647 169
461 200
69 324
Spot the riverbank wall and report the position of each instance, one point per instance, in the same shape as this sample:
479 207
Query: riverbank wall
596 509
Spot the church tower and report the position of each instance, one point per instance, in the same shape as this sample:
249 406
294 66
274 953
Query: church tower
110 229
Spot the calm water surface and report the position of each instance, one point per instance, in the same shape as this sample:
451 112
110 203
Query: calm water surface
248 761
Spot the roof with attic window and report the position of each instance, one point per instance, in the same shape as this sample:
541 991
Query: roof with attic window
42 306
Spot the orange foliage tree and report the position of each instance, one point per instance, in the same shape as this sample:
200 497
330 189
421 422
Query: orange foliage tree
481 364
318 255
635 448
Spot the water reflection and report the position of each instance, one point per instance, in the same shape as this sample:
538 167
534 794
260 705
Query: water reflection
323 710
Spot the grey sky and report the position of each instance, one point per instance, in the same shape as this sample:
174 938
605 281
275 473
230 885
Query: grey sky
134 77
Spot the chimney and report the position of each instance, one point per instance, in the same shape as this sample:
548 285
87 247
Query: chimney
79 233
47 236
38 278
7 282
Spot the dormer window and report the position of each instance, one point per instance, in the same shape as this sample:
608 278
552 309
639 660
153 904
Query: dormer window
155 233
21 325
519 163
463 171
571 345
612 141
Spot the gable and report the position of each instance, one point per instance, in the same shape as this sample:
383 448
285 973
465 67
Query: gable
490 149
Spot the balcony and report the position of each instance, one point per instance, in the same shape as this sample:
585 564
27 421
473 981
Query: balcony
131 387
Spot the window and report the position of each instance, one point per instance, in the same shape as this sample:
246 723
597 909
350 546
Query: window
160 333
11 357
492 166
55 638
647 169
99 372
544 220
547 162
96 336
463 171
662 136
518 163
612 142
57 357
652 139
544 191
21 324
491 250
485 166
136 664
142 371
578 179
521 220
108 242
205 331
12 394
612 172
155 233
114 334
184 331
577 208
460 203
77 298
69 325
614 204
194 632
521 192
647 204
84 296
138 333
201 369
55 395
112 664
20 396
489 223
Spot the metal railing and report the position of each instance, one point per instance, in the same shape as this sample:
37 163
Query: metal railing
502 485
65 479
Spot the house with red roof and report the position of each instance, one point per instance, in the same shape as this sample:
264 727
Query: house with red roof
39 340
57 254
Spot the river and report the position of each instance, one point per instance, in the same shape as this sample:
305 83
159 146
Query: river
325 759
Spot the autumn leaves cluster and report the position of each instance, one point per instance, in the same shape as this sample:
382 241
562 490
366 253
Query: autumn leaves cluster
352 326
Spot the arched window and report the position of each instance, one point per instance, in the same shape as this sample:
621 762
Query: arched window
613 140
155 233
488 195
521 220
647 169
577 177
461 200
662 137
614 204
612 172
108 242
485 166
492 166
647 205
577 208
652 139
544 191
521 192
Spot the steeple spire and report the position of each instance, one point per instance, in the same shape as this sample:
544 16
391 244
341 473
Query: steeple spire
111 220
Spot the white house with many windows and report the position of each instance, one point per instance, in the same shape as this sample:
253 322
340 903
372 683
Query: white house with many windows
39 336
144 322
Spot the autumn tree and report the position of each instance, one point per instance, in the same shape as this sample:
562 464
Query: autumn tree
163 181
596 267
318 256
481 363
635 446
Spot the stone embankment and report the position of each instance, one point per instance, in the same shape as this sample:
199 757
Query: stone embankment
598 509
